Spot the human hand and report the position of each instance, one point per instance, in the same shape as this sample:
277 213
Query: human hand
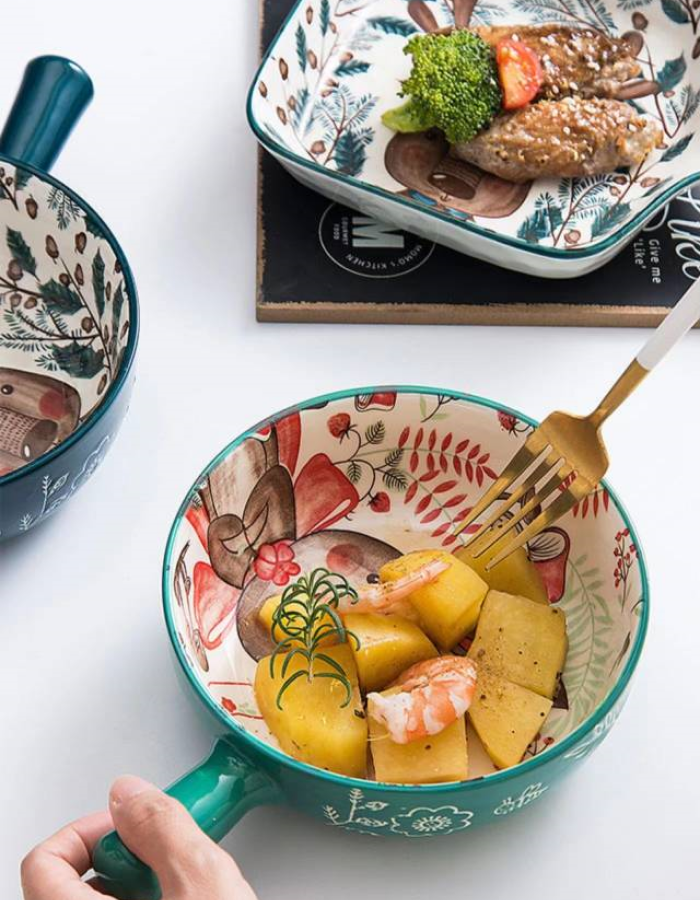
155 828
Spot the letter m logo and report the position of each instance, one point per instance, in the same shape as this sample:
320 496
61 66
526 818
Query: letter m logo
368 232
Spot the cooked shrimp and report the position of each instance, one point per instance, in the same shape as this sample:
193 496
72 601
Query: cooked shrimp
387 596
432 695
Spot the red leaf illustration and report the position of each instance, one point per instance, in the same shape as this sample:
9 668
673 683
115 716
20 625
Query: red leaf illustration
446 441
476 449
431 516
423 504
462 446
444 486
403 437
484 458
441 529
418 439
606 499
455 501
469 469
429 475
457 462
430 461
450 539
479 475
463 514
443 462
596 503
415 459
584 508
488 471
432 439
411 492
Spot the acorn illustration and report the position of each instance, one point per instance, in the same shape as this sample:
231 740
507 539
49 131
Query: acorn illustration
51 247
309 14
32 207
572 237
346 57
312 58
9 181
318 147
15 300
80 241
292 103
640 21
284 69
103 384
30 303
79 277
281 115
15 270
262 88
86 323
620 179
64 279
333 27
649 182
117 266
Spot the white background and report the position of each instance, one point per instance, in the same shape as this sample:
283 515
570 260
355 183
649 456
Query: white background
87 690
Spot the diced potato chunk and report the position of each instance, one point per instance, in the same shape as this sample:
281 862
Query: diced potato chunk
440 757
507 718
449 606
267 612
388 646
515 574
313 725
522 641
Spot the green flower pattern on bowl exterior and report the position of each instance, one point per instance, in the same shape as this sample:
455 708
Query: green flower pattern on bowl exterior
336 66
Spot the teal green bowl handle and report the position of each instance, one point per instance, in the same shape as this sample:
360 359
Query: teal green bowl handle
52 97
217 793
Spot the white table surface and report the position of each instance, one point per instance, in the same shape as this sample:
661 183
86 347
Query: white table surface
87 690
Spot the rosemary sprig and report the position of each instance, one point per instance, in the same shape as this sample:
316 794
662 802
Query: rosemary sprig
308 614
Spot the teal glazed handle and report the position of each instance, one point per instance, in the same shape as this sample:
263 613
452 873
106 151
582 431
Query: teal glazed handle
217 793
52 97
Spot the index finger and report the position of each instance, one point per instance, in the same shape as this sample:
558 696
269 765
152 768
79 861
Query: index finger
53 870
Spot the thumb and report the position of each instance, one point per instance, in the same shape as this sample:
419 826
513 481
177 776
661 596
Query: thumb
160 831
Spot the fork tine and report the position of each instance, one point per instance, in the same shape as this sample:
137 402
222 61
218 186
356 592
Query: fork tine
563 471
475 540
523 459
554 511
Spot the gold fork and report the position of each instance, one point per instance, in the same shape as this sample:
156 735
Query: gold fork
566 453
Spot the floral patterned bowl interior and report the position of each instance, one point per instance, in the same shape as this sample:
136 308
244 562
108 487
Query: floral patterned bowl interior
337 65
352 481
64 316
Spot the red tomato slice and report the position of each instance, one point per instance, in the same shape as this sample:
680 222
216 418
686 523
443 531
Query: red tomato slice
520 73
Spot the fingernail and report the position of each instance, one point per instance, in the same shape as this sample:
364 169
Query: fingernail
126 787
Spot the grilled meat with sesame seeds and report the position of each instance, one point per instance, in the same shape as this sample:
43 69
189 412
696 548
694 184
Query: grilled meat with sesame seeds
575 61
564 138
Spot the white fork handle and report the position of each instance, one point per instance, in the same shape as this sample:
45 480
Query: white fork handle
675 326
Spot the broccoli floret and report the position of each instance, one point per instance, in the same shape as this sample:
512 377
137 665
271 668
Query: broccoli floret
453 86
408 118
